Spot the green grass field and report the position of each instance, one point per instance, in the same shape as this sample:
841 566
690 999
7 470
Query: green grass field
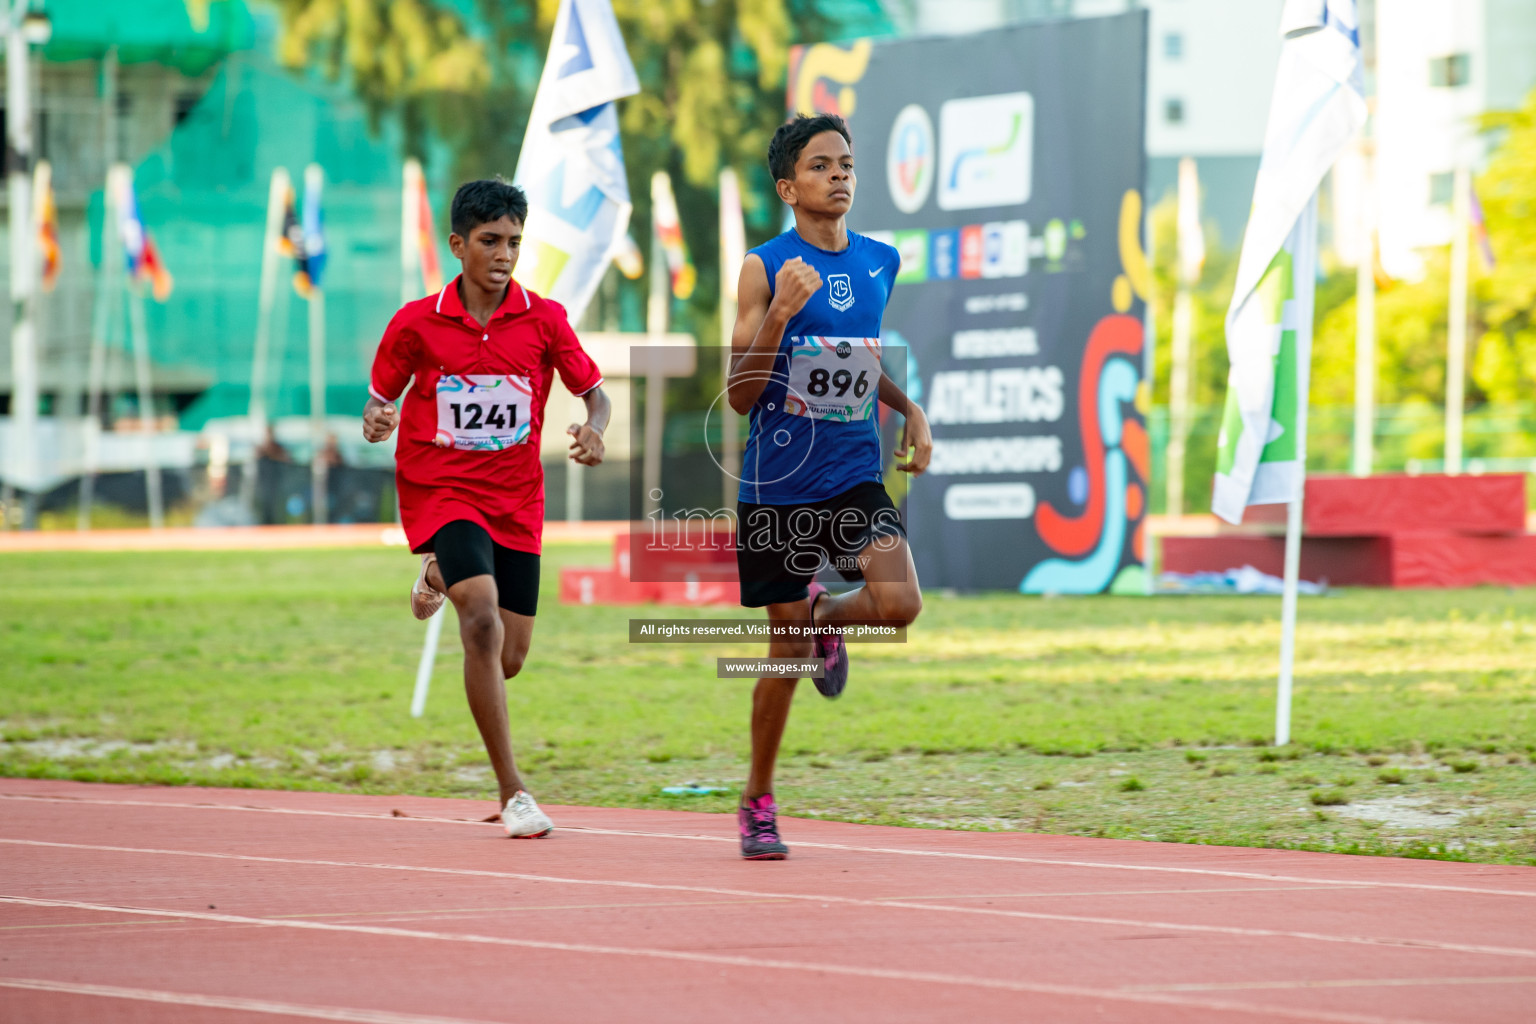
1415 715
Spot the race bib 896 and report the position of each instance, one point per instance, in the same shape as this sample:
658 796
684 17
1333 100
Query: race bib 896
835 379
483 413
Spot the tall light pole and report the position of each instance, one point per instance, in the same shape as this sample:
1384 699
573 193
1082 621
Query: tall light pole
21 471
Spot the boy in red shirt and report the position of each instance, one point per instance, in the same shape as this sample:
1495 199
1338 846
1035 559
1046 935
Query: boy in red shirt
483 353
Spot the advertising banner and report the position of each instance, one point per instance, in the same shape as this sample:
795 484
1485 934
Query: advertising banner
1006 168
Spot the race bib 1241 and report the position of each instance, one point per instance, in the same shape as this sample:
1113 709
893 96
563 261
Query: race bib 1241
835 379
483 412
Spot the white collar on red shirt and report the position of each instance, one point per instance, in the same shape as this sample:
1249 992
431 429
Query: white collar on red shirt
516 301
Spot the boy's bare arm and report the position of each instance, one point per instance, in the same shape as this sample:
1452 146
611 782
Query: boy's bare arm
916 438
761 317
587 446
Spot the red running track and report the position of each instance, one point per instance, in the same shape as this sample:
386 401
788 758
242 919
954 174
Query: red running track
150 904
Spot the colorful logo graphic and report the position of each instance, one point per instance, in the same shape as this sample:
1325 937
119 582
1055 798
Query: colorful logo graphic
971 251
944 254
913 247
909 159
1114 444
839 291
985 151
822 77
1005 249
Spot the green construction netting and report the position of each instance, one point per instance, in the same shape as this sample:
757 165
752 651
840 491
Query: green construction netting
203 197
158 31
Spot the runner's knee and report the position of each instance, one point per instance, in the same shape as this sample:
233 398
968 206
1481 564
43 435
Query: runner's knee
512 661
903 605
480 629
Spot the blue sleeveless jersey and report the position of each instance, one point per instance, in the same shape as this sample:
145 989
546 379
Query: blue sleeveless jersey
819 438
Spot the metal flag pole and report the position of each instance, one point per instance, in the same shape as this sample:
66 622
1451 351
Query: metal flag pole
266 294
1305 270
411 289
319 472
411 283
148 430
1191 255
1456 332
1365 328
410 246
104 322
733 247
22 464
655 384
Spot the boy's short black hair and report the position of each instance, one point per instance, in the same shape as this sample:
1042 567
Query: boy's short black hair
791 138
480 202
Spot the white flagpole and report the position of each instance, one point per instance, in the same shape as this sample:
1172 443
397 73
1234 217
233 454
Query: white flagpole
1305 250
732 252
1191 254
410 245
21 467
109 290
1288 612
1456 356
656 327
1365 326
266 294
148 430
428 657
120 183
410 290
319 475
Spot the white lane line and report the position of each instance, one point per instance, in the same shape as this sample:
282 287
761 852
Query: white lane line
1243 986
1113 892
150 995
754 964
903 904
950 854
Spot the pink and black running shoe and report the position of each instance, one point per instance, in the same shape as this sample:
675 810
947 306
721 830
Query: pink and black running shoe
758 820
832 652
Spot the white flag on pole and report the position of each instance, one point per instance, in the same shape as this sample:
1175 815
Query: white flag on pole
572 165
1318 106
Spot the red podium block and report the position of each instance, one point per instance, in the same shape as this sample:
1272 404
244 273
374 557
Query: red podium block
602 586
1342 561
1441 560
1344 506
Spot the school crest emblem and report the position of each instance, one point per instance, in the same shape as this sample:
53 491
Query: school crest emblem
840 291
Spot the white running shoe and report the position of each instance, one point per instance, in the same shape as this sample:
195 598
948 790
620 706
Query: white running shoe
424 600
523 820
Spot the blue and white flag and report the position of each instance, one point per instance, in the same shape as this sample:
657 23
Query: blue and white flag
1318 105
572 165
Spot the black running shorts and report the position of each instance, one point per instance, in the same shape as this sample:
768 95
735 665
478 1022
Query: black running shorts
781 548
464 549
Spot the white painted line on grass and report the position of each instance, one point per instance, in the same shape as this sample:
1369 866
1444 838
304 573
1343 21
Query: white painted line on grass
1030 915
754 964
150 995
844 847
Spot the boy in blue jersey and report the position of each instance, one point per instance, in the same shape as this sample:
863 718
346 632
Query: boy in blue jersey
805 370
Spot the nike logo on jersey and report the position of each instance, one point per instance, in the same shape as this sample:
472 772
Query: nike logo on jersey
877 272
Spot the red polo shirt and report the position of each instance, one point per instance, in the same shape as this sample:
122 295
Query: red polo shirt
502 490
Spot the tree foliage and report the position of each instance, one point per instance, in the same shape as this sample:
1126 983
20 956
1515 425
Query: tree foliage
463 73
394 54
1411 316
